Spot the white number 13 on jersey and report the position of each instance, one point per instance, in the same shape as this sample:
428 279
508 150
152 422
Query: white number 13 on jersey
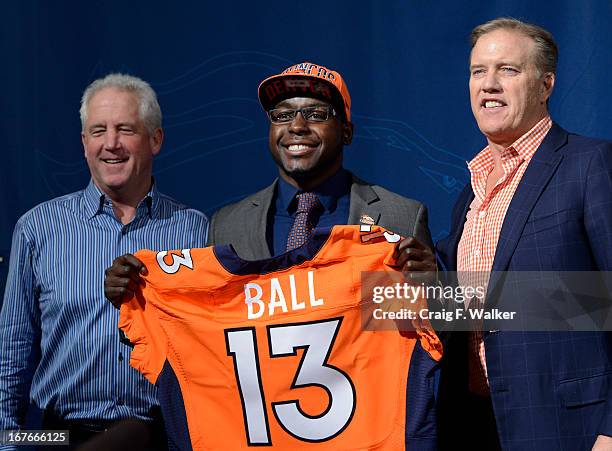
317 339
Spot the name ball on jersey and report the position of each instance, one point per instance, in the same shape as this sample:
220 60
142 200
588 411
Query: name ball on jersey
276 298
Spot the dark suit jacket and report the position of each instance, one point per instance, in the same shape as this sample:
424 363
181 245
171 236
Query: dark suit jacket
550 390
244 224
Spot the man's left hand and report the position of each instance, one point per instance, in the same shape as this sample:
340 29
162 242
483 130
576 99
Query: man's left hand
412 255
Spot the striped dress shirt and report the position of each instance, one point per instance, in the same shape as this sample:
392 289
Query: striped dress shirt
483 225
59 335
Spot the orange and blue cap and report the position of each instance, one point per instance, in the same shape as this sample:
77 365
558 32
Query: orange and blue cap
306 80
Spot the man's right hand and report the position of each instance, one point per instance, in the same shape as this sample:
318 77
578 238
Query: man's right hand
122 279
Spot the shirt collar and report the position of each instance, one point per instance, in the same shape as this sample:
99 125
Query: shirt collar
95 201
328 192
525 147
527 144
152 200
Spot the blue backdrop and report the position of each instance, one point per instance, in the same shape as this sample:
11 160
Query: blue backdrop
405 63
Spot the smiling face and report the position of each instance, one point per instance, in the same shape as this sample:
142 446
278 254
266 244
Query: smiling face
118 147
507 92
307 153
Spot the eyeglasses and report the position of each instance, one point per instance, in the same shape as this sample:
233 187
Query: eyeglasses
310 114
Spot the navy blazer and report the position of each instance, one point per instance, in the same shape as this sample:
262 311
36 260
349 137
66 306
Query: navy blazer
550 390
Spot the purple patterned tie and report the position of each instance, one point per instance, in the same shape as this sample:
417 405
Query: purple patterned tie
302 224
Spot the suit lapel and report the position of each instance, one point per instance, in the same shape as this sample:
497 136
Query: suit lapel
466 197
537 175
256 240
363 201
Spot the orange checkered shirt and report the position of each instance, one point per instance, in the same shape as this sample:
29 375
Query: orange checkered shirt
483 224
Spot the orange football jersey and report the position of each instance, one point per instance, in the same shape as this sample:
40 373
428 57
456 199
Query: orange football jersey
273 353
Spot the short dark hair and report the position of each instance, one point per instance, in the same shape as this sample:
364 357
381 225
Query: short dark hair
546 51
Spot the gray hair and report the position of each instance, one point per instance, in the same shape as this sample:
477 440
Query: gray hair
149 110
546 51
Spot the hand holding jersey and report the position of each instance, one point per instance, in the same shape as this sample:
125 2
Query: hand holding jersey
122 279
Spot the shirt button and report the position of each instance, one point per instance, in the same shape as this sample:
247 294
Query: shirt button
119 401
477 252
482 213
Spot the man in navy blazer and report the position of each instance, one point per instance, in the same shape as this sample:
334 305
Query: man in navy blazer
546 390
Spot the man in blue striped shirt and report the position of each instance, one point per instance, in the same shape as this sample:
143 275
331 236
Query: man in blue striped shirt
60 342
